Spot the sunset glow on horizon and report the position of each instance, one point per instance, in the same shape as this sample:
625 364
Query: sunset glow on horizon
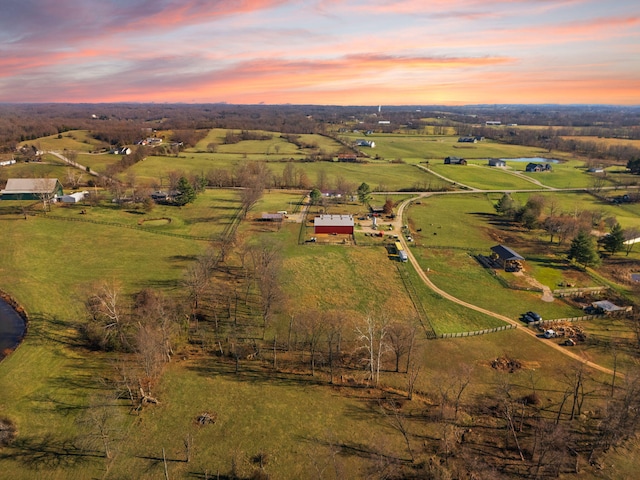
338 52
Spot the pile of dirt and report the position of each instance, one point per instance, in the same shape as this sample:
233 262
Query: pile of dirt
506 364
206 418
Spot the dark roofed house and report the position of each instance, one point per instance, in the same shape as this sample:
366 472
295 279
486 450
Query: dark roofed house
538 167
32 189
365 143
468 139
455 161
507 258
497 162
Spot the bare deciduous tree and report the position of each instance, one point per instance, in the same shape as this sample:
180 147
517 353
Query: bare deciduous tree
401 337
372 333
100 426
109 325
313 325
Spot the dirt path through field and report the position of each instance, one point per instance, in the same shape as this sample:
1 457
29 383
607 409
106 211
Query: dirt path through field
547 294
531 333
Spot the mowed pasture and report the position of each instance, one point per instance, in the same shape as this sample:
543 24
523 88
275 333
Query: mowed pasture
98 162
75 140
49 167
381 176
415 148
569 174
483 177
207 217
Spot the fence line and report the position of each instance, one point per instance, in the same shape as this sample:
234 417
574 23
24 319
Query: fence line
574 292
569 319
417 302
477 332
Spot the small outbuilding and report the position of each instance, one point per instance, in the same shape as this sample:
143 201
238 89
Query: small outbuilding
333 224
76 197
507 258
608 307
497 162
272 217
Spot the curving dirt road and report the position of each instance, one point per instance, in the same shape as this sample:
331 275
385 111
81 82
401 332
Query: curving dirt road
432 286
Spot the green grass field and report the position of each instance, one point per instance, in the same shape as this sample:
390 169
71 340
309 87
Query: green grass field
482 177
75 140
51 263
413 148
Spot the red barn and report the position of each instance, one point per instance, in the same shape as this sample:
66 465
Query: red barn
333 224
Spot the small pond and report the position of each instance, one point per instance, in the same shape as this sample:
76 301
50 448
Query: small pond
12 328
531 159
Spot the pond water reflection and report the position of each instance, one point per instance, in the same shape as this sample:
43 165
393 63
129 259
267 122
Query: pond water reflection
12 328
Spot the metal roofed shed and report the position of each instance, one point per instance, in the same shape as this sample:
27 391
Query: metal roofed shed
509 259
31 189
606 306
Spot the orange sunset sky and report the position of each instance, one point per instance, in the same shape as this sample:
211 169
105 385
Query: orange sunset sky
357 52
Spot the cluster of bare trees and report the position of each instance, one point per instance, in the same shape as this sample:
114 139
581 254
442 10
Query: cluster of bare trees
232 137
143 330
512 431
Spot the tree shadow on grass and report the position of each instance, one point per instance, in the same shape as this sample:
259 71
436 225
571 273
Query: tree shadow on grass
48 452
50 328
252 373
494 219
156 463
159 284
354 449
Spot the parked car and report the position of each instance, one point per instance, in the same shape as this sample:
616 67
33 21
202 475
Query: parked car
526 318
532 317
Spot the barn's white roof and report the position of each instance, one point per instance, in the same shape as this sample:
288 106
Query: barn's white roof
30 185
333 221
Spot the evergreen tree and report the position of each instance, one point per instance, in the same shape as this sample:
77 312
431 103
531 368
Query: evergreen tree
364 193
315 196
614 241
187 192
583 250
634 165
506 206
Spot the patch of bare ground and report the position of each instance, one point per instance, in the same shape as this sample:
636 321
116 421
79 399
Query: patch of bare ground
8 432
506 364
